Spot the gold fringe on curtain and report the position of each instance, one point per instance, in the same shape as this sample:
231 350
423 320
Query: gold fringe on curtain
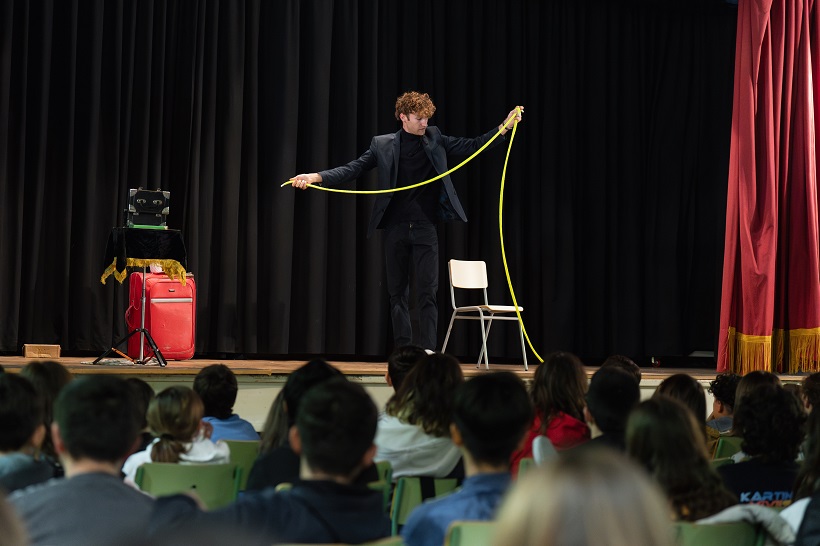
749 353
804 350
172 268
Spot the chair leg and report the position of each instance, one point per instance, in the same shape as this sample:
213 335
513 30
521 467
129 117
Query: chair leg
484 342
449 329
489 326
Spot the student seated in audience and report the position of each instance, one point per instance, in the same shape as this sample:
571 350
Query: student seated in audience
770 421
612 394
719 422
333 436
624 363
49 378
664 437
400 362
21 433
810 391
216 386
278 462
93 430
142 394
175 417
803 514
414 432
685 389
557 393
597 498
491 414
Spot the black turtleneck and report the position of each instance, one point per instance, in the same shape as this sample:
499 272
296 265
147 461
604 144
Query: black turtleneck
419 204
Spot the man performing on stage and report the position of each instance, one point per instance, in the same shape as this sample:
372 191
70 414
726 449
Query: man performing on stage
415 153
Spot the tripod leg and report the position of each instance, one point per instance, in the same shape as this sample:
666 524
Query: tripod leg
157 352
117 344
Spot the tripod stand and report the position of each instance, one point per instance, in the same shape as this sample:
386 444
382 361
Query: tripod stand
144 334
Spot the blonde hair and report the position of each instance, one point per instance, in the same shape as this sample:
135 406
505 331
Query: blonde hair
595 498
174 416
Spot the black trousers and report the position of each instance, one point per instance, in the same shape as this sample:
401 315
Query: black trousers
417 242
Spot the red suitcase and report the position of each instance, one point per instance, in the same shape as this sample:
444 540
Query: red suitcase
170 315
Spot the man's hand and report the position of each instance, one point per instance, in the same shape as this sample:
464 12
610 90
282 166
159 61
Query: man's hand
515 116
302 181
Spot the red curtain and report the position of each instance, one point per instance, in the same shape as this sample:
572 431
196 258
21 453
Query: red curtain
770 304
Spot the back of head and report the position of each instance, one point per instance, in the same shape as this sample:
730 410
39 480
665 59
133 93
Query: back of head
49 378
771 423
21 412
303 379
595 498
612 394
724 389
559 385
95 415
808 480
401 361
811 390
492 412
752 381
216 386
685 389
624 363
425 398
174 416
142 394
337 425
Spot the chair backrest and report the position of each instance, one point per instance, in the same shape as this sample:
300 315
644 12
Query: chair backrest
216 485
727 446
385 470
243 455
470 275
412 491
722 461
470 533
385 488
736 534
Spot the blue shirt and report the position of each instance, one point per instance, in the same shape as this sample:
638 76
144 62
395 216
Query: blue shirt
477 500
232 428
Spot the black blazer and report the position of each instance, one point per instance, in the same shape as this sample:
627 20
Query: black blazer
384 154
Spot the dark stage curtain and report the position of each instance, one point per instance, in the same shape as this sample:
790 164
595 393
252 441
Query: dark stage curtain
616 190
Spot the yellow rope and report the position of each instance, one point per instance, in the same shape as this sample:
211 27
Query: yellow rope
500 208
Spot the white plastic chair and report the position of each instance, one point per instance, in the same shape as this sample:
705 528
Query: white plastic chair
472 275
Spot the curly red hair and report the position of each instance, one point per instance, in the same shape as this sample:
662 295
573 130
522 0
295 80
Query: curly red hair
417 103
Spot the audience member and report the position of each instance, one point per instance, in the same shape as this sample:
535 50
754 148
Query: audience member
217 387
175 417
624 363
598 498
557 392
723 388
142 394
414 432
400 362
805 506
491 414
334 432
811 391
278 462
770 421
48 377
685 389
21 433
93 430
13 531
612 394
752 381
664 437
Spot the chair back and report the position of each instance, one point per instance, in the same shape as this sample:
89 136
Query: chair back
217 485
705 534
469 275
716 463
411 491
470 533
727 446
243 455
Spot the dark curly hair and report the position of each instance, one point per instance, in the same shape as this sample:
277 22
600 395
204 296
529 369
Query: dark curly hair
811 389
723 388
771 423
425 398
417 103
559 385
808 479
663 436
